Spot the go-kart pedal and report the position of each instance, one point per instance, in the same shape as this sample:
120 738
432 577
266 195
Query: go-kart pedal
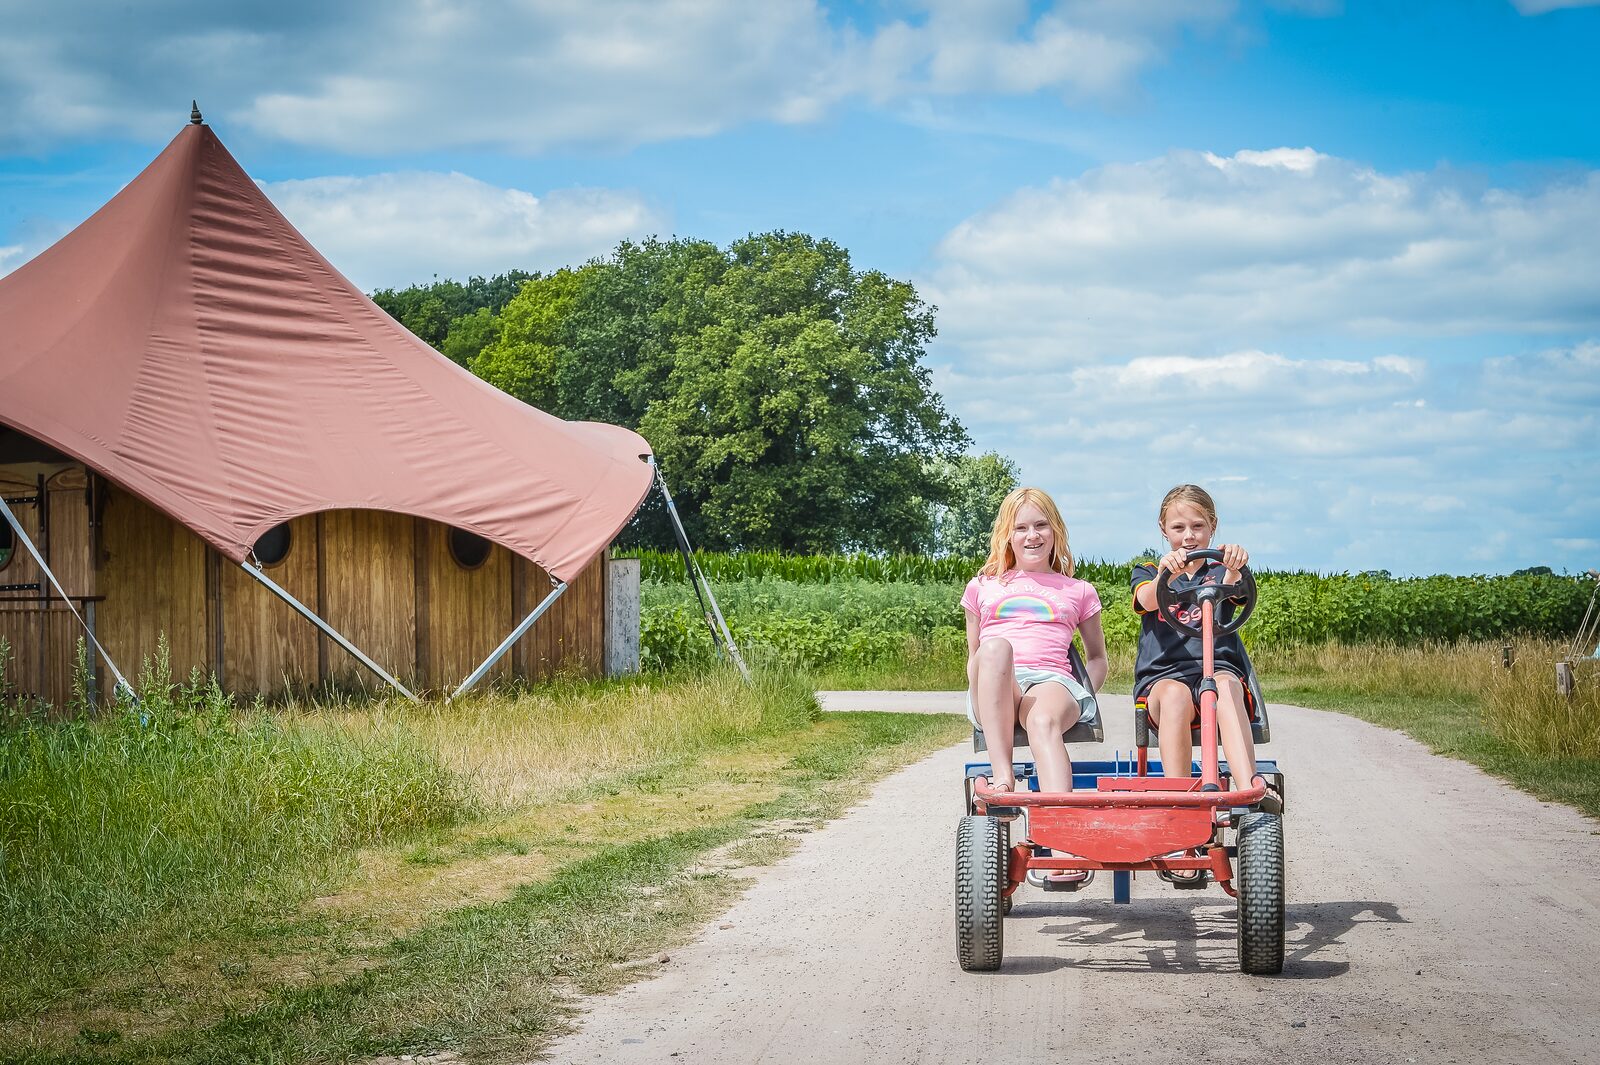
1045 880
1185 879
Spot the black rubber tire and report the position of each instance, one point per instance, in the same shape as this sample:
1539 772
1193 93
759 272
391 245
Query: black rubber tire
1260 887
982 857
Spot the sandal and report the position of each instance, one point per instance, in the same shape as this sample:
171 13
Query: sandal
1001 785
1271 802
1183 878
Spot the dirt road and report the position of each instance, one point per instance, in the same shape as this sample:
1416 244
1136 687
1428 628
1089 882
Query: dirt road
1435 915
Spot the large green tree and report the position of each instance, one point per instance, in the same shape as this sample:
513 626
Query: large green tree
800 418
528 339
783 390
441 310
976 485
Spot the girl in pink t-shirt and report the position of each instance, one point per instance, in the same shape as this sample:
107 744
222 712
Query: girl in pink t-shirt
1022 609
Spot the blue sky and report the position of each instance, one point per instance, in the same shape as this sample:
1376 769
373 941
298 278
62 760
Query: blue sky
1336 261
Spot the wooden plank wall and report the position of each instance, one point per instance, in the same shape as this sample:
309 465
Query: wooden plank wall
21 569
153 575
368 564
387 581
464 613
266 646
43 637
70 541
570 637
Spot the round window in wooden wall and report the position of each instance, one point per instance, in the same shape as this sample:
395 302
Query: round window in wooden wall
468 549
273 547
8 543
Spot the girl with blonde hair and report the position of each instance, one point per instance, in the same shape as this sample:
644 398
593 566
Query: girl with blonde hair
1022 610
1166 669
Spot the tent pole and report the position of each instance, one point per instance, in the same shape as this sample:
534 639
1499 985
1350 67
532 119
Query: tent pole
688 557
505 645
122 684
698 579
329 629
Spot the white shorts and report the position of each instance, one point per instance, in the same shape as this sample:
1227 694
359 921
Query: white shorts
1027 677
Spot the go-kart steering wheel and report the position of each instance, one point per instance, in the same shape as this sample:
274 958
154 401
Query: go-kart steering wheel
1192 593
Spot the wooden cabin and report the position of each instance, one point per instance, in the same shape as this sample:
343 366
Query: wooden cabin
425 601
183 371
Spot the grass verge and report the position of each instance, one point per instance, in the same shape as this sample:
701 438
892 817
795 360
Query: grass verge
592 850
1461 701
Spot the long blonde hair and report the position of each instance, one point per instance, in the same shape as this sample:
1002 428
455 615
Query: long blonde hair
1194 496
1002 558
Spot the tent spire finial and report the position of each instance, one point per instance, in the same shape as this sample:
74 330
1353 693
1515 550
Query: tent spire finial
194 112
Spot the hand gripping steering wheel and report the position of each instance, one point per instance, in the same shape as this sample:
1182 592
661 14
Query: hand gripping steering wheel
1191 592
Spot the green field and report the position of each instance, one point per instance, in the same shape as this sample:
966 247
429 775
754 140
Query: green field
845 616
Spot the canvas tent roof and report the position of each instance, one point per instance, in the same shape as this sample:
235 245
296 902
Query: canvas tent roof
188 343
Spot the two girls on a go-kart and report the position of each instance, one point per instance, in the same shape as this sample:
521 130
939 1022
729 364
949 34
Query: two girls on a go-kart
1023 610
1025 605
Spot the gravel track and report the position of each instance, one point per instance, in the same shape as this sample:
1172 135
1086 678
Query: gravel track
1435 915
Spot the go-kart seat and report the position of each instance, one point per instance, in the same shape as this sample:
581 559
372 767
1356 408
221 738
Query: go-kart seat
1078 733
1260 730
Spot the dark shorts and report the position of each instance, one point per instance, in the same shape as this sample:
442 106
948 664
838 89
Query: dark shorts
1192 682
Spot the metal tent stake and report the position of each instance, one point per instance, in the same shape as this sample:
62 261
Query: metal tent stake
505 645
723 640
329 629
122 684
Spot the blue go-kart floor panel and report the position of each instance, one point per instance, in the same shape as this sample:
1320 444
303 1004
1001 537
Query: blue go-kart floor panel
1086 775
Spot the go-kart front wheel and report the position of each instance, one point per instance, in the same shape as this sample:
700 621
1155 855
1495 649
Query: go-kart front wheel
1260 894
982 857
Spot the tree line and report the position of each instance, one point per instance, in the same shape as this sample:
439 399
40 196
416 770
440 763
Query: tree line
784 391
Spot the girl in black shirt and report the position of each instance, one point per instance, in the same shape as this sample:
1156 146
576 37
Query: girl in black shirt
1167 668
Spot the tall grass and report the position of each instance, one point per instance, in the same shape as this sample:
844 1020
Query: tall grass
1526 712
516 745
180 799
1518 705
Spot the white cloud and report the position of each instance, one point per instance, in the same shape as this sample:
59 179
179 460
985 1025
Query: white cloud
11 257
1196 252
1558 377
396 229
418 74
1380 463
1541 7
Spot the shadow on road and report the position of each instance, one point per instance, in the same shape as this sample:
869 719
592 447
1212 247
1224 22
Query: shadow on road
1181 935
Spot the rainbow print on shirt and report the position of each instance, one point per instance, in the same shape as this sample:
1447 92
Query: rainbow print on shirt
1024 606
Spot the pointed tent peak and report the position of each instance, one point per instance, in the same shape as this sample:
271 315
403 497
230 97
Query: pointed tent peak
225 351
194 112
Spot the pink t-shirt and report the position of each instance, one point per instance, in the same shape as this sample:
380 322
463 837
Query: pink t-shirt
1037 612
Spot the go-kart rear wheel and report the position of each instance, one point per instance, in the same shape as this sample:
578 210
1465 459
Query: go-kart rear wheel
982 857
1260 888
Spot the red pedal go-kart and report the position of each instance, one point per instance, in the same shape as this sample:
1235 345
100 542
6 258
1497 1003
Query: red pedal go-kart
1124 817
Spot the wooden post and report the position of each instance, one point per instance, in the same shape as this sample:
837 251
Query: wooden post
622 617
1564 679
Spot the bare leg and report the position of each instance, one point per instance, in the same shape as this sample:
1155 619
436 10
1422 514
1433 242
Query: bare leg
992 678
1233 722
1046 711
1171 710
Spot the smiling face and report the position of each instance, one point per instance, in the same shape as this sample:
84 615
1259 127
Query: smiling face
1033 542
1187 526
